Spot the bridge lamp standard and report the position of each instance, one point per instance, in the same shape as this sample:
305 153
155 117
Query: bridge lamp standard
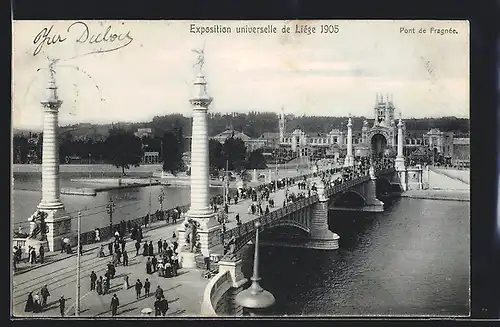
161 197
255 300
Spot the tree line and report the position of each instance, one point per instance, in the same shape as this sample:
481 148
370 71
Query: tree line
254 124
123 149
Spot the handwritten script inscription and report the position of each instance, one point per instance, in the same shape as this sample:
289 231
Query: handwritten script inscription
80 32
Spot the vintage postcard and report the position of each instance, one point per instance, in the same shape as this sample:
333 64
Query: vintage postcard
240 168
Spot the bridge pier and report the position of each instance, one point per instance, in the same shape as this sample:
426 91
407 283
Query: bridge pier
372 204
321 237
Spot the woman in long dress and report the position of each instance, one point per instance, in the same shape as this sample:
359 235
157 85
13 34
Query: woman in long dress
99 286
168 269
145 249
148 267
29 303
37 307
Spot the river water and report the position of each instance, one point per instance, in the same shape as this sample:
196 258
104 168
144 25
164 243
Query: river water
130 203
412 259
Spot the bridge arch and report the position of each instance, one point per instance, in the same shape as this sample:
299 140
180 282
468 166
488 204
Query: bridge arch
250 236
350 199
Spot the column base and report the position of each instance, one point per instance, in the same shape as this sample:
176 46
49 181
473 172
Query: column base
187 260
208 231
59 226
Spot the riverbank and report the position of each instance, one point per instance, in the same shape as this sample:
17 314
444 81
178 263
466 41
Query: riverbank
437 194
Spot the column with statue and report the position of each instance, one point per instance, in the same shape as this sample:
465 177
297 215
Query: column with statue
50 223
199 233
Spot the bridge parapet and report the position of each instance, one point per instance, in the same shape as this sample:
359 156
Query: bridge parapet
245 232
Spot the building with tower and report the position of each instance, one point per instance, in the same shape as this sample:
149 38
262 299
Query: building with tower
378 139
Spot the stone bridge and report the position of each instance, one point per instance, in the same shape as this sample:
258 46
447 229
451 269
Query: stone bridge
310 215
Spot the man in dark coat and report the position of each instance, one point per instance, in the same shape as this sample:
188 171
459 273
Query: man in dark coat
44 292
110 248
157 307
137 248
123 243
150 248
41 251
114 305
93 279
154 263
138 288
145 249
147 287
158 292
62 305
160 245
163 305
125 258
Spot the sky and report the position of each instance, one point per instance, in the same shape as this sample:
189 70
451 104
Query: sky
321 74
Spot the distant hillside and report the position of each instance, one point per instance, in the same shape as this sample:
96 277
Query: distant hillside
255 124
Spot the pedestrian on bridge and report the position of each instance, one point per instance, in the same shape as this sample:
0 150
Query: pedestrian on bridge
137 248
32 257
110 248
138 289
99 286
123 243
30 304
93 279
163 305
147 287
145 249
149 270
160 245
62 305
154 263
125 258
44 292
114 305
41 252
150 249
159 292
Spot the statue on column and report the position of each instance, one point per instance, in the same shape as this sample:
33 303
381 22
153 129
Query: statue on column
192 238
200 61
39 226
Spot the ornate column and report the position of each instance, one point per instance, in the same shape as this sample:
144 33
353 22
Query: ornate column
349 159
200 210
400 160
57 220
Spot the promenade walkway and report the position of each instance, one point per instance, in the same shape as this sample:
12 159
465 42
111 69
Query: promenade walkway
184 292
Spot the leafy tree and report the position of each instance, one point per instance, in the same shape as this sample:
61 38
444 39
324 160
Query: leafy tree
215 156
124 149
256 160
234 151
172 153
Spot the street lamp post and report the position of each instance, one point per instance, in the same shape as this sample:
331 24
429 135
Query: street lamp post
149 210
161 197
255 299
77 306
90 161
110 208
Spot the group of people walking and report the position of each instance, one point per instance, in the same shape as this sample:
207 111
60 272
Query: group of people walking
36 303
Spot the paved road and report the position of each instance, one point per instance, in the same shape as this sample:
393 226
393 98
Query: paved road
184 292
